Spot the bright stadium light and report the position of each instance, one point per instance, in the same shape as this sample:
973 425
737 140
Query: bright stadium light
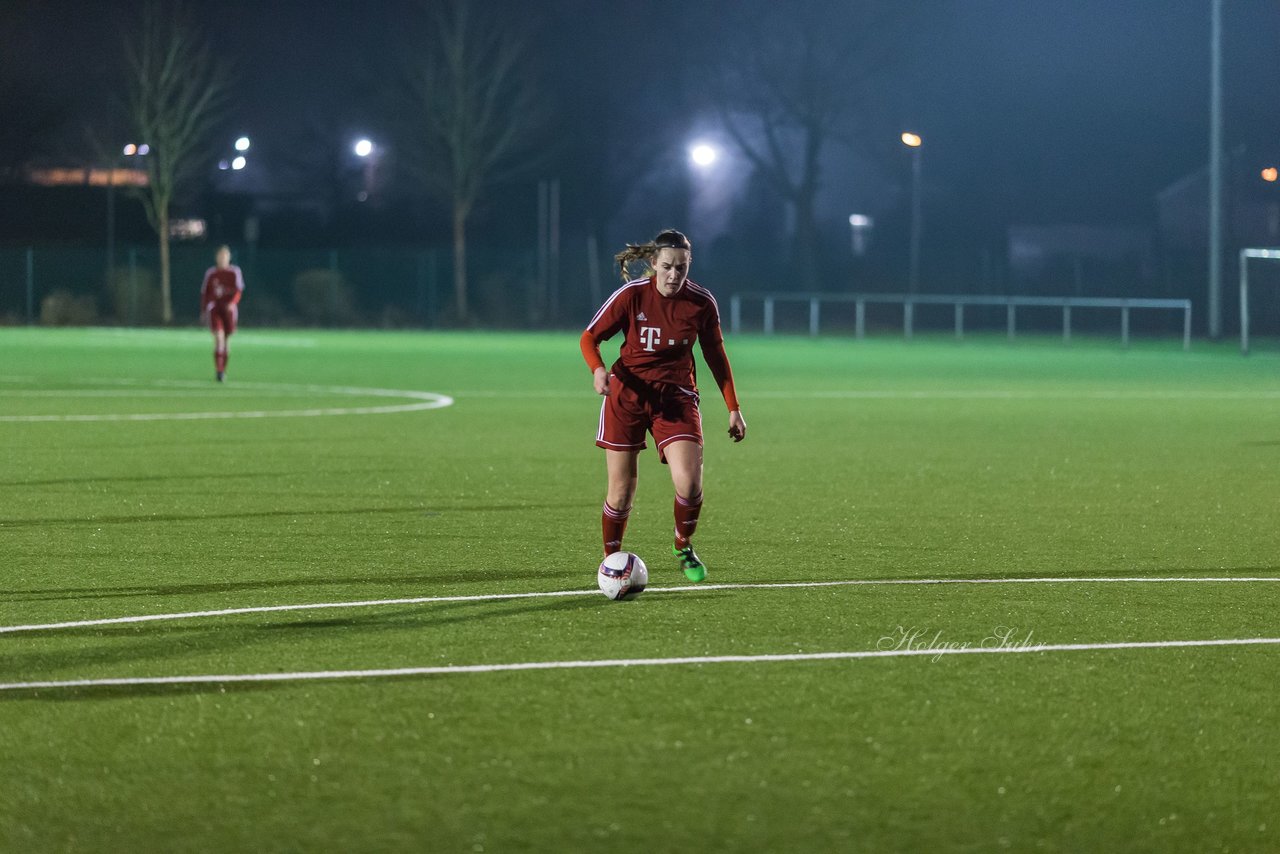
144 149
913 141
363 148
130 150
238 163
703 155
242 144
1270 174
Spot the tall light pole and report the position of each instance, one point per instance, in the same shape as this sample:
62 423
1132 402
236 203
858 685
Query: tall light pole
1215 171
712 181
130 150
859 225
364 149
913 141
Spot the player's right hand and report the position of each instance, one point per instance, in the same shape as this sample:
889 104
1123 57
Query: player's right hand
601 382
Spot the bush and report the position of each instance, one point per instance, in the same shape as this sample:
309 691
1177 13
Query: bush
323 298
264 309
135 297
501 299
394 317
62 308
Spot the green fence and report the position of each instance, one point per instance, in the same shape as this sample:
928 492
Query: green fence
380 288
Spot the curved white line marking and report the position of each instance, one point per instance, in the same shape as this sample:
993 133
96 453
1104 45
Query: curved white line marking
422 400
449 669
961 394
935 394
494 597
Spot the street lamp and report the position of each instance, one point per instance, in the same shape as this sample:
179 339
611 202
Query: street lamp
129 150
859 225
708 185
369 154
913 141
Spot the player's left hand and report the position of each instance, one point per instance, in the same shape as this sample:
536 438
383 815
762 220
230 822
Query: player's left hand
737 426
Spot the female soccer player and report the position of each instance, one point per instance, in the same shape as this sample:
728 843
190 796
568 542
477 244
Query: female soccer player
651 387
219 298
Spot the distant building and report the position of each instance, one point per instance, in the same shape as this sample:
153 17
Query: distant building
70 203
1080 260
83 176
1251 205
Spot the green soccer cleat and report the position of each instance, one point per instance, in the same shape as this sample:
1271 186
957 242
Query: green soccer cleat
694 568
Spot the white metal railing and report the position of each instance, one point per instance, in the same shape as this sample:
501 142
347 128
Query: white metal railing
910 301
1245 255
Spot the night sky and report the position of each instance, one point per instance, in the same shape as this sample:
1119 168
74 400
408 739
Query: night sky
1032 111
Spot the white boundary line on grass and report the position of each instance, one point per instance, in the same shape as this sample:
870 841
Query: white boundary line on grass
496 597
449 669
981 394
422 400
933 394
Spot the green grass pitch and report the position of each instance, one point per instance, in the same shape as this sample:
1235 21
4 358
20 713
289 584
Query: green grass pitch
880 460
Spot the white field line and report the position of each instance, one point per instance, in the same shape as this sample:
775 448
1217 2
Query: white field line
163 393
449 669
995 394
422 400
206 416
933 394
495 597
108 336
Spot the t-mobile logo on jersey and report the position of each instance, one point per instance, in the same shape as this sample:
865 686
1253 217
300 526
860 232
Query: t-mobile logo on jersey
650 335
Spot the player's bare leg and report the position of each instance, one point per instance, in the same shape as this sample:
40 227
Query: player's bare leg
220 353
685 461
619 495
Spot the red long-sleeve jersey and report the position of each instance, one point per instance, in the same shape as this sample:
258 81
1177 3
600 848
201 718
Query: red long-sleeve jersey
658 335
221 287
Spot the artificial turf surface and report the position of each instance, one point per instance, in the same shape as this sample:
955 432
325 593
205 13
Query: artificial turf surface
876 460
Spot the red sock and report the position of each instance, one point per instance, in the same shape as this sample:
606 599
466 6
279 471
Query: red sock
613 524
686 512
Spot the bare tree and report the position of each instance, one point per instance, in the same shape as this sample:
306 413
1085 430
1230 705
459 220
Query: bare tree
176 92
801 74
473 113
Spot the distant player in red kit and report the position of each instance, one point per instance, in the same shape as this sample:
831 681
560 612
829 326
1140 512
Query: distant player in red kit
651 388
219 301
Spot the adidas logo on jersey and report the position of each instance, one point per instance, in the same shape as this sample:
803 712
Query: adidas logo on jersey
641 316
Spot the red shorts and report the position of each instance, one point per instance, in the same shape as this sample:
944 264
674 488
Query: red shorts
629 411
222 318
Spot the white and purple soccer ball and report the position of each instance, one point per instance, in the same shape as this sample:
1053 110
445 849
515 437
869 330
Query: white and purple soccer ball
622 575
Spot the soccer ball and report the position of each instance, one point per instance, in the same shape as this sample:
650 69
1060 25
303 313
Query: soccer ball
622 575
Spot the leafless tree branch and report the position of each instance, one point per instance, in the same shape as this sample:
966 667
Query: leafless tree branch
176 92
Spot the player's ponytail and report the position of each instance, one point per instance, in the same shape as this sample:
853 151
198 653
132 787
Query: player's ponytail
669 239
